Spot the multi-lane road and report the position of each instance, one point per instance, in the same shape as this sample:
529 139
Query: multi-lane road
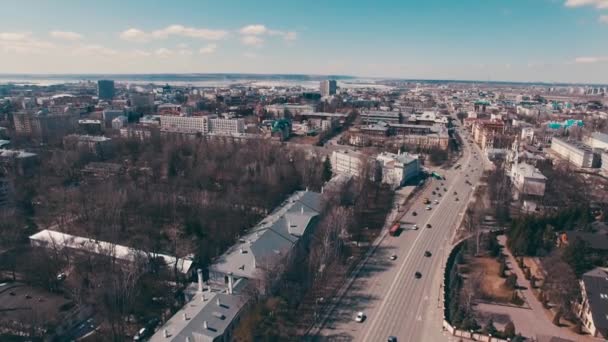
395 302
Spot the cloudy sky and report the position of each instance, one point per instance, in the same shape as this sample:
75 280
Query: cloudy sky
516 40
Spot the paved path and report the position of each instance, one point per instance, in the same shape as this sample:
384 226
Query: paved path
529 322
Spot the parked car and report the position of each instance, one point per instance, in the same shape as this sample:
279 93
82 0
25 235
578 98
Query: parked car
360 317
418 275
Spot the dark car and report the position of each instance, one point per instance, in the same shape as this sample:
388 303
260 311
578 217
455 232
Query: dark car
418 275
392 339
427 254
414 213
445 189
455 193
434 193
428 225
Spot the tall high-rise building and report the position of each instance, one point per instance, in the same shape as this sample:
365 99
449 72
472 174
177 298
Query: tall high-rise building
328 87
105 89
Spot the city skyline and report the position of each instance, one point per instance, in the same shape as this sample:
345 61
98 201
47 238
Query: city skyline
539 41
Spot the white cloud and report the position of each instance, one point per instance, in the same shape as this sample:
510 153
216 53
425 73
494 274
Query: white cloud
599 4
134 34
190 32
250 34
250 55
94 50
23 43
589 60
66 35
603 19
209 49
163 52
14 36
252 41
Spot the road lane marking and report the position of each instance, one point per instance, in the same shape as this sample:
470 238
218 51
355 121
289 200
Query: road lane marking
401 269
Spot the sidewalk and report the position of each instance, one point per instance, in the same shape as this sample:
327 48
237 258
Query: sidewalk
529 322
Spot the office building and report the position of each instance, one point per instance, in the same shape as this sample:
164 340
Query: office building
574 152
184 124
347 162
105 89
328 87
119 122
110 114
226 126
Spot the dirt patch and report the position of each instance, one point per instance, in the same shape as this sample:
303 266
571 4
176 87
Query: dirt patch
492 286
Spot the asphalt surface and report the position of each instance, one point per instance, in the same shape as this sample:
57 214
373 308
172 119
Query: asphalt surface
394 301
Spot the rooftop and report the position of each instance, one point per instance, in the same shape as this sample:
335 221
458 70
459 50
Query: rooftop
271 238
530 171
104 248
16 154
603 137
204 318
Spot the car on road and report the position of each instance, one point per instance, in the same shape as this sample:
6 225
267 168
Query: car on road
428 225
360 317
391 339
414 213
393 257
418 275
415 227
436 201
445 189
428 207
434 193
456 199
455 193
427 254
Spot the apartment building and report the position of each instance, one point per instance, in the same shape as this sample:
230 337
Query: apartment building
184 124
598 140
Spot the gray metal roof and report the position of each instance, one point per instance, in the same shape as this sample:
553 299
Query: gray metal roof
600 136
596 287
216 309
272 238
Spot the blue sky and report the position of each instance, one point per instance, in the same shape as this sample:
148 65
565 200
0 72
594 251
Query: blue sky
517 40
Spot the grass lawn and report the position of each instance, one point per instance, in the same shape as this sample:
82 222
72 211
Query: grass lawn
492 284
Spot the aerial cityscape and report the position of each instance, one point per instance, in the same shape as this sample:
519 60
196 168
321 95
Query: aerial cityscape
195 171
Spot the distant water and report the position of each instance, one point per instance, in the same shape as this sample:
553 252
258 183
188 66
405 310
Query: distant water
200 80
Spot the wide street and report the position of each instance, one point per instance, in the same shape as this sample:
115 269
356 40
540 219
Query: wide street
394 301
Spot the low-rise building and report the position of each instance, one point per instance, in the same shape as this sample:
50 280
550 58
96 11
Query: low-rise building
593 309
377 116
93 143
527 180
574 152
280 236
18 161
398 169
184 124
110 114
598 140
58 240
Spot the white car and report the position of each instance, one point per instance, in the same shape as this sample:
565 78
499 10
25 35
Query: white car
428 207
393 257
360 317
415 227
436 201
